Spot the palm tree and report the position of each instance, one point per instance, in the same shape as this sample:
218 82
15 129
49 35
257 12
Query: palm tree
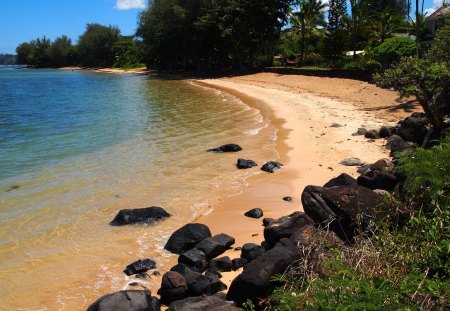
310 15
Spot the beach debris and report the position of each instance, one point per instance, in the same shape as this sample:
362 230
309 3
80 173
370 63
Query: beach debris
126 300
222 264
360 131
372 134
244 164
146 215
287 199
342 180
186 237
140 266
271 166
351 162
251 251
226 148
284 227
254 213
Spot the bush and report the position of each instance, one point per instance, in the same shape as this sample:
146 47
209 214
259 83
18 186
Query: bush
313 59
392 49
439 51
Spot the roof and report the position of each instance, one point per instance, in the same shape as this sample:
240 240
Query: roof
440 13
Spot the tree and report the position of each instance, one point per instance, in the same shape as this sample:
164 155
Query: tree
24 53
336 27
127 52
95 45
310 15
59 52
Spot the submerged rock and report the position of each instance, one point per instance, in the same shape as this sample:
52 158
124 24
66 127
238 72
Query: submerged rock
226 148
139 216
140 266
271 166
244 164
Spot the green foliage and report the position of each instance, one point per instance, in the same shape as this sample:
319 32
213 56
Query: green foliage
95 45
439 51
392 49
314 59
59 52
127 53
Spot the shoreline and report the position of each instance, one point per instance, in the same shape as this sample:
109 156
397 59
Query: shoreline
309 146
142 70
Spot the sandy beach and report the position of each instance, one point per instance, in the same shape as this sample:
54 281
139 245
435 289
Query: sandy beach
304 110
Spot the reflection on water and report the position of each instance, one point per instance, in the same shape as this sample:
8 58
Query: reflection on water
77 147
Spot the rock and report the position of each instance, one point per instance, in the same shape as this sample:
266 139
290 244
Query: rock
226 148
138 216
255 282
382 165
205 284
140 266
413 129
343 209
372 134
173 287
336 125
351 162
186 237
363 169
287 199
244 164
284 227
341 180
360 131
222 264
127 300
203 303
251 251
385 132
195 259
188 274
396 144
418 115
254 213
378 180
271 166
224 239
238 263
211 248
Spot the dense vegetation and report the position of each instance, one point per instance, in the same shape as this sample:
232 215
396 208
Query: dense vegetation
7 59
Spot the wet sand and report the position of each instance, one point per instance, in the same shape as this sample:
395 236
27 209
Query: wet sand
304 110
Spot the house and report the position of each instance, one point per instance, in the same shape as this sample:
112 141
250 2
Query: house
437 19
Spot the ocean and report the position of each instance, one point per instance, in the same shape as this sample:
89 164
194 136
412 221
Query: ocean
78 146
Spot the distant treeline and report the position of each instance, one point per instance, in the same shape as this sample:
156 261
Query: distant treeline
7 59
98 46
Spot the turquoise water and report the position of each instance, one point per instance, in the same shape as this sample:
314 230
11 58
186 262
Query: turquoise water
77 146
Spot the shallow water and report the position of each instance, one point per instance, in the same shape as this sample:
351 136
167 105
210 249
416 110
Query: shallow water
76 147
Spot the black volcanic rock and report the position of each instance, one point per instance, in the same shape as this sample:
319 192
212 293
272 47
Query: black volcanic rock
254 213
271 166
140 266
226 148
284 227
173 287
244 164
211 248
342 180
186 237
127 300
251 251
138 216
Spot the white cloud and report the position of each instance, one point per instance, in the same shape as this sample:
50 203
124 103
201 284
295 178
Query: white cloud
436 5
129 4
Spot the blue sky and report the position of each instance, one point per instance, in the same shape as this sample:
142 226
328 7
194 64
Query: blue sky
23 20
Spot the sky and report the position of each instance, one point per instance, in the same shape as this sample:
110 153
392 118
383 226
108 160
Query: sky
24 20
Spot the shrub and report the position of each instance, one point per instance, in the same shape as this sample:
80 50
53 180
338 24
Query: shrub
439 51
313 59
392 49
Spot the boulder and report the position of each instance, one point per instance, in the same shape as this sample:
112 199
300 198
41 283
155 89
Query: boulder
188 274
271 166
244 164
341 180
284 227
382 165
195 259
127 300
378 180
238 263
226 148
224 239
287 199
186 237
360 131
139 215
351 162
202 303
222 264
251 251
140 266
396 144
254 213
205 284
385 132
255 282
413 129
343 209
173 287
211 248
372 134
